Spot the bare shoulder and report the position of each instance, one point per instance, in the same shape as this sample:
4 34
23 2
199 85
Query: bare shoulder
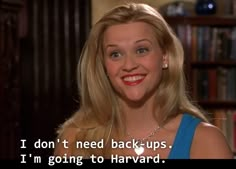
210 142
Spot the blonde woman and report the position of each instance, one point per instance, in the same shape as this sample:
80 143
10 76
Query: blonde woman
133 101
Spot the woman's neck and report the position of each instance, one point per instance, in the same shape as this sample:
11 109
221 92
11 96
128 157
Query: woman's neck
139 120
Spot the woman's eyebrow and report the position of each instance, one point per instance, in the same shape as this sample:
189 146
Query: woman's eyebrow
141 40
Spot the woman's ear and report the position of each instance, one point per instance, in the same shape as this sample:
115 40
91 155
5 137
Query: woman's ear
165 62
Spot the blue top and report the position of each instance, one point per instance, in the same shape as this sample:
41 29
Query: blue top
184 136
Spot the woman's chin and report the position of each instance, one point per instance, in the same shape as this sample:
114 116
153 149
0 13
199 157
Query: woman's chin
134 99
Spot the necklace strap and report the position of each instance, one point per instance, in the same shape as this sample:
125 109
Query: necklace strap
147 137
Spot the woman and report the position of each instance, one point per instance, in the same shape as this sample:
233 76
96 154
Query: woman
133 100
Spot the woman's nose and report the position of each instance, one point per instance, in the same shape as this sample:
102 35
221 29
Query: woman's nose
130 63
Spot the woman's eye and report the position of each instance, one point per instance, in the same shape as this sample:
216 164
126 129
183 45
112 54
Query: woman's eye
115 54
142 50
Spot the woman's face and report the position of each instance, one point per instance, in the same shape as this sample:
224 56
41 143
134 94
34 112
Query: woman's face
133 60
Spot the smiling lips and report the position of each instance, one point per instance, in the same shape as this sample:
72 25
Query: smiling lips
132 80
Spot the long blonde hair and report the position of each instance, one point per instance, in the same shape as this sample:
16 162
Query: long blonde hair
99 116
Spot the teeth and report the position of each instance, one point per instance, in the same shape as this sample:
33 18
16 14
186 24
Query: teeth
132 78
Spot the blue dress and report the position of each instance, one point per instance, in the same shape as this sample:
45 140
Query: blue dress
184 136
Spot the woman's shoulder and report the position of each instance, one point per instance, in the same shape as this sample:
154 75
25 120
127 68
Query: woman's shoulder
210 142
66 136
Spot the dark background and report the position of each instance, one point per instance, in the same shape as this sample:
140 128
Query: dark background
40 44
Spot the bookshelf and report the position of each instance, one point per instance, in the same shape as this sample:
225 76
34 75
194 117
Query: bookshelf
210 63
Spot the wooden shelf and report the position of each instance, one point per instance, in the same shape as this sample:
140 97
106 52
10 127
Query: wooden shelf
213 64
202 20
210 104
